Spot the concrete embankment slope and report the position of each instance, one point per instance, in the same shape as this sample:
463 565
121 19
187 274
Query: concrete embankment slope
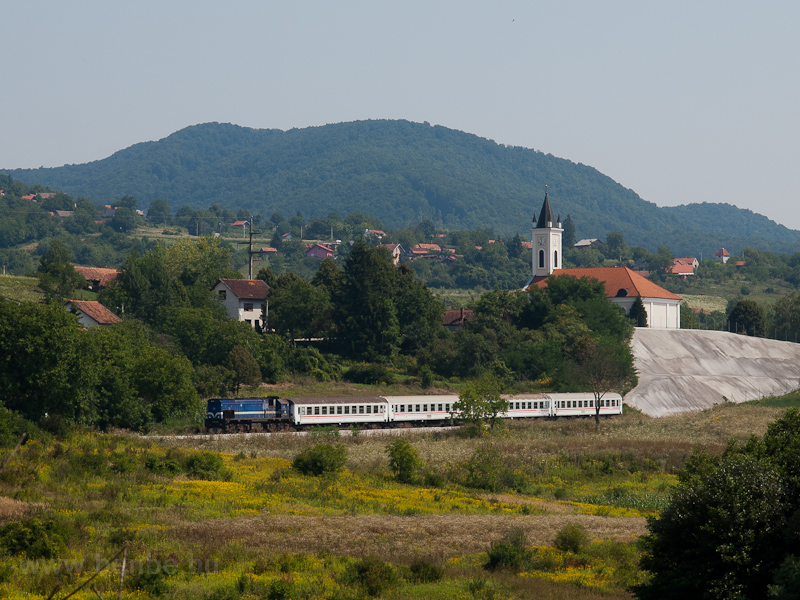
685 370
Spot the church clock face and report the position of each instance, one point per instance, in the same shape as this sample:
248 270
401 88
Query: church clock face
540 240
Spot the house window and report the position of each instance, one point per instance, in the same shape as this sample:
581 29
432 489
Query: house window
223 294
248 306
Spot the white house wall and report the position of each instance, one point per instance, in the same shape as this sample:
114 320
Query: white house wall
661 313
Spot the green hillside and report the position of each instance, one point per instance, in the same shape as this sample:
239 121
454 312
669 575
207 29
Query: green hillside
402 173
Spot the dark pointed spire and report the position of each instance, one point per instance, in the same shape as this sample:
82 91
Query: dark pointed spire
546 216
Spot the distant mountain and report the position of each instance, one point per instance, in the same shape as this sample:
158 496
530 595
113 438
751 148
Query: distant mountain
402 173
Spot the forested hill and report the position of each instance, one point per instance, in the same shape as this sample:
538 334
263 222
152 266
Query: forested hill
400 172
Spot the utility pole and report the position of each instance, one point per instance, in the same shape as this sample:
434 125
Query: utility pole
250 271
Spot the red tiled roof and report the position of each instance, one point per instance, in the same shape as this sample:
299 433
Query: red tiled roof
686 260
723 252
29 197
456 316
681 269
96 311
619 282
238 223
247 289
102 276
428 247
269 249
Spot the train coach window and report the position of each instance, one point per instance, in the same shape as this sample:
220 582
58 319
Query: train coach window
338 410
402 408
369 409
347 410
324 410
417 407
440 408
424 408
447 407
316 410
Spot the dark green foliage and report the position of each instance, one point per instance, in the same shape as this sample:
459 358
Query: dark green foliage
733 524
403 460
371 574
204 465
487 470
572 537
370 373
321 459
423 571
243 368
638 313
151 578
35 538
787 580
57 276
748 317
510 552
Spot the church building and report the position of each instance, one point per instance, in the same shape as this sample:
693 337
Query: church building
622 285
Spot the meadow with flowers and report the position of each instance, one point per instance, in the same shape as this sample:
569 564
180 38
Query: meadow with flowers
551 508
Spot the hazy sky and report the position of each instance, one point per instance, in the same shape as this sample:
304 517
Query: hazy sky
681 101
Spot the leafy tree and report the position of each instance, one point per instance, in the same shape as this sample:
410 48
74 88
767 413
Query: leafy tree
786 317
716 539
748 317
481 401
243 368
125 220
159 211
267 275
604 365
403 460
57 276
365 315
48 365
299 310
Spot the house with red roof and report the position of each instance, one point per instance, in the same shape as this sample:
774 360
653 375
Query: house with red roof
683 266
319 251
244 299
396 250
97 278
91 313
722 256
622 284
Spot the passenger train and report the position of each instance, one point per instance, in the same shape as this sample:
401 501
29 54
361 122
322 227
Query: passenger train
274 412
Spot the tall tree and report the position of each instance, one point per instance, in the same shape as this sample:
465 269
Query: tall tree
365 314
605 365
57 276
569 232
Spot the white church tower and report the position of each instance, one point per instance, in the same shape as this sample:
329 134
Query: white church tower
546 239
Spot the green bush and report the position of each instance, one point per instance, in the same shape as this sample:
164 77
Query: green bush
572 537
510 552
35 538
488 470
368 373
320 459
204 465
403 460
371 574
424 571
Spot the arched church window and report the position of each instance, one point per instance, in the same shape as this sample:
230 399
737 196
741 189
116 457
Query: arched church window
555 259
541 259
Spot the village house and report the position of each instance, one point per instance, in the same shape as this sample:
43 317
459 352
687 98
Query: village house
722 256
97 278
622 284
683 266
244 299
455 318
319 251
395 250
91 313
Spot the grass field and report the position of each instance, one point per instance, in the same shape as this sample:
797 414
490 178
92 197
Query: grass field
21 289
232 520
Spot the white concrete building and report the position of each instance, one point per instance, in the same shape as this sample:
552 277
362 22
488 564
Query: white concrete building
244 299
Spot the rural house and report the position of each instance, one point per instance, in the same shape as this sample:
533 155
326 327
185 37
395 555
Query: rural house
91 313
244 299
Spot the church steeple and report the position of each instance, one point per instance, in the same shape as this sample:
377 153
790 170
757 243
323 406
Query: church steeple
546 241
546 218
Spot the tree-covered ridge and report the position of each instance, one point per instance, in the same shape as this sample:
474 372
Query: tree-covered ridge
399 172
